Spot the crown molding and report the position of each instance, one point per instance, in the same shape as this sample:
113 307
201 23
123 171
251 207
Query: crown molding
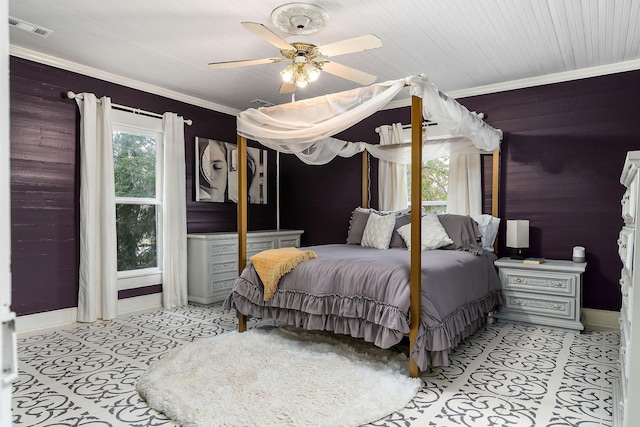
565 76
114 78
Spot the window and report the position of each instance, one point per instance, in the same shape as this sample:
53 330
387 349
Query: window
435 179
137 163
435 174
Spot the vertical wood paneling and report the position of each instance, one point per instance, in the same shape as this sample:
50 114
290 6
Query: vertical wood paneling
45 180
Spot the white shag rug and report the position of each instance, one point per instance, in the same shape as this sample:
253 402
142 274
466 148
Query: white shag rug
278 377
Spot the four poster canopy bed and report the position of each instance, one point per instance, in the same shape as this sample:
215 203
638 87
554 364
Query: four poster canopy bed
436 297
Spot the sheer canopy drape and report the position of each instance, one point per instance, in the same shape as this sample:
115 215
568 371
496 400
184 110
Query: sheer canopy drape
98 293
306 128
174 217
392 176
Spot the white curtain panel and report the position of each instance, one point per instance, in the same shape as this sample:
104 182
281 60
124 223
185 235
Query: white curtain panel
174 214
98 293
392 176
464 193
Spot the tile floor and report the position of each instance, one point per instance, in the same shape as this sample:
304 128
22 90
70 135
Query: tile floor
504 375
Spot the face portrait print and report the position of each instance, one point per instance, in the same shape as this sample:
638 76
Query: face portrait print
213 171
217 177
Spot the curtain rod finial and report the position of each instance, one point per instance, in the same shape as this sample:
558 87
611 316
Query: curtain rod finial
70 94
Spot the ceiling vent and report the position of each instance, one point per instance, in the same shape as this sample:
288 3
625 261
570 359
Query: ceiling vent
29 27
260 103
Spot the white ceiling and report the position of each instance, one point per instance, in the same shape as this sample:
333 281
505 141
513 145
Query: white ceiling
465 47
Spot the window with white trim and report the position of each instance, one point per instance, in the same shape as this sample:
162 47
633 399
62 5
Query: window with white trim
435 180
435 175
137 163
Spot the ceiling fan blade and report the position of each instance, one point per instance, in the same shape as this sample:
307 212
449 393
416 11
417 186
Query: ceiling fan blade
349 73
268 35
243 63
287 87
356 44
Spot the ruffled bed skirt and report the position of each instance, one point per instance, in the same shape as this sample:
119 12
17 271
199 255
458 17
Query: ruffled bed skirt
375 322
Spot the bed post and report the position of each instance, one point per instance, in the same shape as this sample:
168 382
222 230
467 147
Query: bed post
495 181
242 217
365 179
416 222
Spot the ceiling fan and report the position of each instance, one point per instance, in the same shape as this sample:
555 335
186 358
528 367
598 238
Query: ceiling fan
307 59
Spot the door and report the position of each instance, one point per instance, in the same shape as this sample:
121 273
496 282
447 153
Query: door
8 355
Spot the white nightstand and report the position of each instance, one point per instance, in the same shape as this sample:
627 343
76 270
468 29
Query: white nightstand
547 294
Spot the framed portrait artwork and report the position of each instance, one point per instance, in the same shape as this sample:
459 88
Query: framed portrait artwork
216 172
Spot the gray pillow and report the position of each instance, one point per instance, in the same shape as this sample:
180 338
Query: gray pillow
358 222
396 240
464 232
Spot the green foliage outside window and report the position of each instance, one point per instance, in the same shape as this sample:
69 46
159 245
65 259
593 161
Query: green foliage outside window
134 162
435 179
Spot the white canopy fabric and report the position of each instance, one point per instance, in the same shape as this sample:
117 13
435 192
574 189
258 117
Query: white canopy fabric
306 128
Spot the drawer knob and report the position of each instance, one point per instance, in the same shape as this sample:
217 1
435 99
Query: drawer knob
625 294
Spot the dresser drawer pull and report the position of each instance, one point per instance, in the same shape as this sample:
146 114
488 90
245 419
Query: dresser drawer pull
625 294
555 306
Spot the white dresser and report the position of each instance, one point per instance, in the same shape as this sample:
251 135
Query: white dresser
627 390
213 259
548 294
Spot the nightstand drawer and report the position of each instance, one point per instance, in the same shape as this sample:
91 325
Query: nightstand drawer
527 304
550 283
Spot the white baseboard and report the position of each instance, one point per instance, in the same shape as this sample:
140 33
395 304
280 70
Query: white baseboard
129 306
601 319
68 316
593 319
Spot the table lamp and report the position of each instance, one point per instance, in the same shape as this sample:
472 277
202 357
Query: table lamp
518 237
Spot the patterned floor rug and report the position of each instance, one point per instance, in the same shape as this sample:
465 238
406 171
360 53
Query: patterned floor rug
278 376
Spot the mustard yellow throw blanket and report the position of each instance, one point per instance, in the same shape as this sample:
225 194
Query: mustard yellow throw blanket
272 264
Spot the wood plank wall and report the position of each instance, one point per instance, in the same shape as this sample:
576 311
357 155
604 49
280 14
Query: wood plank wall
45 184
562 153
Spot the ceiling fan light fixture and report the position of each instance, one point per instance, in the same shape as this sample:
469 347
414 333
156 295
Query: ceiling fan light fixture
288 74
302 80
312 71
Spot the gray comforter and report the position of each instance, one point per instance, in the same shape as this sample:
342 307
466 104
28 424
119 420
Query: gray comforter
364 292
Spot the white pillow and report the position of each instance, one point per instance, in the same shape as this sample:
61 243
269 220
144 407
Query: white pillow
488 226
378 231
433 234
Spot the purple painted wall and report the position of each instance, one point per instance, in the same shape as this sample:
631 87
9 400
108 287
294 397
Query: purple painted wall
563 150
562 154
45 184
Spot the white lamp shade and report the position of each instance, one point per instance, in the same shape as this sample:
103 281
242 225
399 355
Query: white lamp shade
517 233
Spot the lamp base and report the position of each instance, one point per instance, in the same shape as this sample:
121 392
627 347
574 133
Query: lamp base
517 253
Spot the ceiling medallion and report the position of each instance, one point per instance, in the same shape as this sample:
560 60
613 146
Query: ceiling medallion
299 18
